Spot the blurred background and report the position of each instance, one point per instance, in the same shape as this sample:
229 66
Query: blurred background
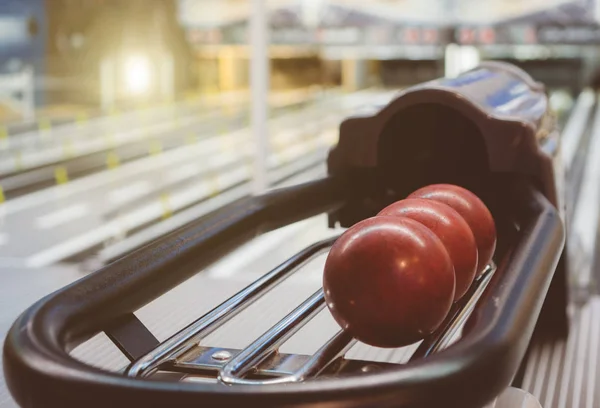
122 120
86 58
98 87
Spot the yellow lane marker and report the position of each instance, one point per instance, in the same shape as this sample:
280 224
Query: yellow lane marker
109 139
45 125
60 175
213 179
82 118
191 139
166 206
2 196
112 160
144 112
68 149
3 138
223 128
19 161
155 148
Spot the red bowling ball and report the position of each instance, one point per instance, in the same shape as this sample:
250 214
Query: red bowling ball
389 281
450 228
473 210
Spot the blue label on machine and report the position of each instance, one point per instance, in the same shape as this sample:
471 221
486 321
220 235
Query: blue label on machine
498 93
468 78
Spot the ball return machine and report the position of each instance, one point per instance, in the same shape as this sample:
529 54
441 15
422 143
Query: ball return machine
489 130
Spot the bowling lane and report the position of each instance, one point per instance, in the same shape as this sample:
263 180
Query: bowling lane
304 169
46 130
564 372
73 118
85 148
53 224
47 133
107 153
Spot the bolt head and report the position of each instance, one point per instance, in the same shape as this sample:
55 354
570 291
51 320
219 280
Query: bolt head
221 355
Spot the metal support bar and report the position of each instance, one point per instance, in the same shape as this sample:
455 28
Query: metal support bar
131 336
270 341
336 347
449 330
206 362
267 344
187 338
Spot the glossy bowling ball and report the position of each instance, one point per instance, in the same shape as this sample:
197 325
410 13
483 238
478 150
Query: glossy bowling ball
389 281
451 228
473 210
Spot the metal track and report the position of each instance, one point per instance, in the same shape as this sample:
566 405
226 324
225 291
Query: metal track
566 374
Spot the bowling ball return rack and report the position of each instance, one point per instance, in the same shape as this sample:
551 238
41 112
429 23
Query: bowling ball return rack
489 130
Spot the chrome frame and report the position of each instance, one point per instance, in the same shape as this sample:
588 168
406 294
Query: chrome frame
232 367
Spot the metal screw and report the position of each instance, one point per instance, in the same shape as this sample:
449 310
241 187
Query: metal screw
221 355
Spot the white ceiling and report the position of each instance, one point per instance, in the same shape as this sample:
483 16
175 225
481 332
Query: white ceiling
210 13
482 11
